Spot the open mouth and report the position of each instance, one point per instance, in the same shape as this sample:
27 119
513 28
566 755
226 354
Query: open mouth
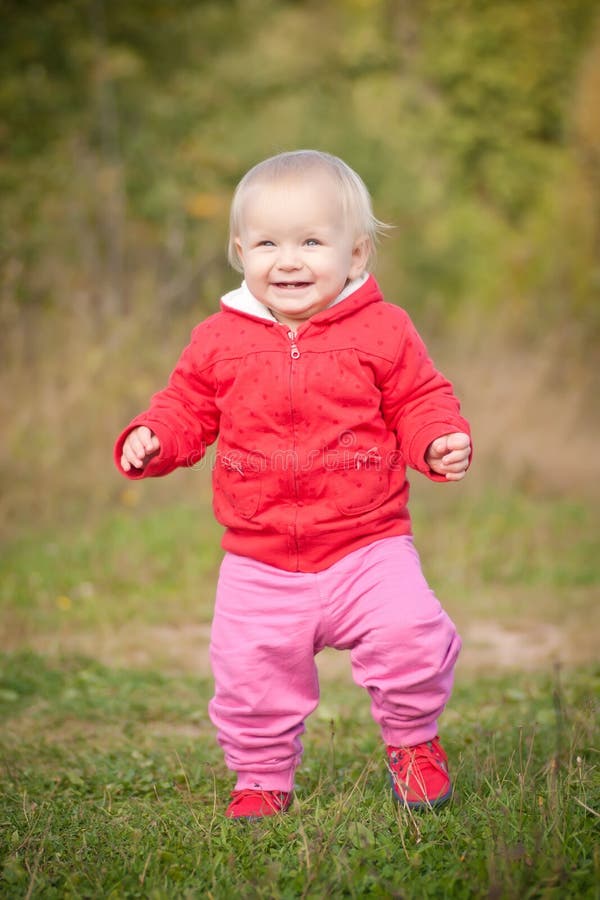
291 285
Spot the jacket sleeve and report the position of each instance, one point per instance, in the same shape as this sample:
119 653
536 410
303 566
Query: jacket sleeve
184 415
418 402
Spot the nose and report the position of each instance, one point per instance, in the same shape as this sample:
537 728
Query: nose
288 257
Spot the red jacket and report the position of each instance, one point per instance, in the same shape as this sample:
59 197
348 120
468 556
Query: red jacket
315 429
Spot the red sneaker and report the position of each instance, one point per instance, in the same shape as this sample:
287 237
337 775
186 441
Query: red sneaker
256 804
419 774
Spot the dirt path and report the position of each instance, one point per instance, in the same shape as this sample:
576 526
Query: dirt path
184 649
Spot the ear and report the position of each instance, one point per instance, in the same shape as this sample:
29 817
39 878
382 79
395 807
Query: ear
360 256
238 249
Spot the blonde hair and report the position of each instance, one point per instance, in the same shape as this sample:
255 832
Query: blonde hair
354 196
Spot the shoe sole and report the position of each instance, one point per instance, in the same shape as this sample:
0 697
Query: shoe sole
253 818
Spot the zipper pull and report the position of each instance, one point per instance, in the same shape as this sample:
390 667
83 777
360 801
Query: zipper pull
294 352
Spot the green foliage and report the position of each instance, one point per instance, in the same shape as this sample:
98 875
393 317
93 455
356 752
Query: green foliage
126 126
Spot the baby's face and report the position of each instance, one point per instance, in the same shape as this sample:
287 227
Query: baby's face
297 251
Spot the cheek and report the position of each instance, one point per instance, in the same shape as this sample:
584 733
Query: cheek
334 265
255 267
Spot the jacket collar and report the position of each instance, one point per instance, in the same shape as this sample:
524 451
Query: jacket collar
241 300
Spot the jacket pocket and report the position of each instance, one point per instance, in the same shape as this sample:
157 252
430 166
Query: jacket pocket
237 484
361 482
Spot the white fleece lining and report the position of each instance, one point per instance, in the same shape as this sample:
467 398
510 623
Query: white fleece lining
243 301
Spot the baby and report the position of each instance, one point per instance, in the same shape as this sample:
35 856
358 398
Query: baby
321 394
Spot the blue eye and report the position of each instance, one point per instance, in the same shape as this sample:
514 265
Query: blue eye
266 244
312 242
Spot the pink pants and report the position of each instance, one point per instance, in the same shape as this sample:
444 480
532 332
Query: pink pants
270 623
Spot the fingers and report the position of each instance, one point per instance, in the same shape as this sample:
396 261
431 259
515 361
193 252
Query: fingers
438 447
456 476
455 465
449 455
456 459
139 445
458 441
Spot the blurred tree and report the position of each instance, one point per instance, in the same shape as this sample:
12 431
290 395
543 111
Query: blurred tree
125 126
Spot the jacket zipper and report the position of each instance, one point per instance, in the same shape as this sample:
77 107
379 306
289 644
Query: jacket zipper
294 352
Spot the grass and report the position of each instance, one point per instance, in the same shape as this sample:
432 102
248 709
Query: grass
156 566
111 781
113 786
506 557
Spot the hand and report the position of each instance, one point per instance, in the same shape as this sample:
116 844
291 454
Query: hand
140 446
449 455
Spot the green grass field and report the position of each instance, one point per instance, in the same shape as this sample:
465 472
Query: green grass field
112 784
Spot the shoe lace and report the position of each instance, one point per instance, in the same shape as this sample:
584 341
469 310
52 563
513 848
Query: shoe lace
413 757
